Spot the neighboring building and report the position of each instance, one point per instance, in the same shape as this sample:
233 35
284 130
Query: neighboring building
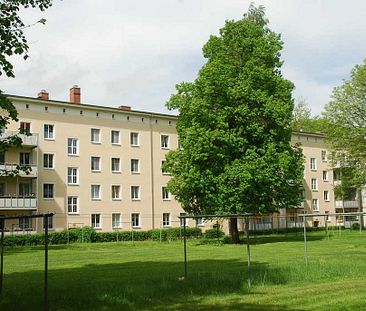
101 167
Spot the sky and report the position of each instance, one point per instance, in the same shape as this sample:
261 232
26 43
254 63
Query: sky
134 52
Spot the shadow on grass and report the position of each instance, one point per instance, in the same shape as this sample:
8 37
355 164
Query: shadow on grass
285 238
141 286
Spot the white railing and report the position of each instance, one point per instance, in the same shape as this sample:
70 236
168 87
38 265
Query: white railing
9 167
18 203
31 140
346 204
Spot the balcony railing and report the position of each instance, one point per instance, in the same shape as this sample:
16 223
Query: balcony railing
346 204
24 203
7 169
31 140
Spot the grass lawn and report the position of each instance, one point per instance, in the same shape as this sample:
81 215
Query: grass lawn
145 275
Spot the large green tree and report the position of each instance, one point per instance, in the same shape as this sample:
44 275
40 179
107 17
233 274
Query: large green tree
345 115
13 42
234 127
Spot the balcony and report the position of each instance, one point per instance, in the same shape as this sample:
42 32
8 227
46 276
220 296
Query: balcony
7 168
346 204
18 203
30 141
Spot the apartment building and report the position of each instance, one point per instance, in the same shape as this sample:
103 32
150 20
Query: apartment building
101 167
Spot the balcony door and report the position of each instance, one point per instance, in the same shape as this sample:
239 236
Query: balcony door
25 189
24 158
2 189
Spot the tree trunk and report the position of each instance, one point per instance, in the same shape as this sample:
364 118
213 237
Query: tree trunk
233 230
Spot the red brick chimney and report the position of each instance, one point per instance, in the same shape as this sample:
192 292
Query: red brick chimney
75 94
43 94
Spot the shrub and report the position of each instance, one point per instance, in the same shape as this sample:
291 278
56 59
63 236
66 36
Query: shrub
355 226
213 234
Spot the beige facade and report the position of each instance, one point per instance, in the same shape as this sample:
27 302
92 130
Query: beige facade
101 167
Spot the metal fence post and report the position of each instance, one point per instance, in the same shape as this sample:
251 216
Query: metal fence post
248 252
2 225
185 248
45 223
305 241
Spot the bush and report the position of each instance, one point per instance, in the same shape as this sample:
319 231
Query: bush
213 234
355 226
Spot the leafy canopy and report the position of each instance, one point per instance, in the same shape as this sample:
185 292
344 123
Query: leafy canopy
302 119
234 126
345 117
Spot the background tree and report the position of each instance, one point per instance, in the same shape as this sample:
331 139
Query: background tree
345 117
234 127
13 42
303 120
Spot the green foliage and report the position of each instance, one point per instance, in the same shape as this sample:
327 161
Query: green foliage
345 115
355 226
303 121
234 126
213 234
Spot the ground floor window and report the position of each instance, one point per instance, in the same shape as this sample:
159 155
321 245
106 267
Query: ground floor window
199 221
95 221
116 221
135 220
183 220
25 223
166 219
50 223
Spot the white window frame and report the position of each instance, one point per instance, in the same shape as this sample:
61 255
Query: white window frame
93 192
313 164
325 176
49 131
164 141
72 175
134 139
96 221
95 136
52 186
72 146
199 222
72 204
95 164
119 165
165 194
135 193
48 156
324 156
118 193
166 220
135 217
25 126
314 184
315 205
326 195
135 166
116 223
118 136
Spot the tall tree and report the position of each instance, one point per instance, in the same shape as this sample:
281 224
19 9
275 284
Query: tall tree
345 115
13 42
234 127
302 119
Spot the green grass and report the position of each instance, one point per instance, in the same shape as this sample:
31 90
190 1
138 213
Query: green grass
146 275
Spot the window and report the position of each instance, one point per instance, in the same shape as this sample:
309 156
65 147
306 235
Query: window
324 155
325 175
164 139
116 192
72 205
2 157
116 221
135 220
134 139
135 192
95 136
115 137
199 221
95 221
95 192
25 126
165 193
48 131
326 195
25 189
72 146
48 191
50 222
24 158
313 164
72 175
115 165
315 204
314 184
24 223
2 189
164 171
166 219
95 164
183 220
48 160
135 166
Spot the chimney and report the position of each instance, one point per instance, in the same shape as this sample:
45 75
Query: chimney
75 94
43 94
124 107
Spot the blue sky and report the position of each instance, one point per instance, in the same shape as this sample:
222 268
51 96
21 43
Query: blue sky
134 52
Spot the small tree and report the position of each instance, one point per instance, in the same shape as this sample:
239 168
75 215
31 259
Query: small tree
302 119
13 42
234 127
